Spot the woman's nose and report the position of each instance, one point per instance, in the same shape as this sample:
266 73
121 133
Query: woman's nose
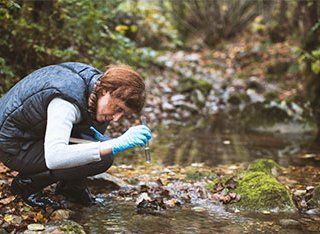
116 117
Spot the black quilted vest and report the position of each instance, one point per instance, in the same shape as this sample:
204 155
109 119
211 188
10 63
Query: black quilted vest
23 109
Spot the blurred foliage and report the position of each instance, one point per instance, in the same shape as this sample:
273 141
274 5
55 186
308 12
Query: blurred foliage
147 23
37 33
213 20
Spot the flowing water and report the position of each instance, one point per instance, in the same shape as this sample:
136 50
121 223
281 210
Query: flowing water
210 144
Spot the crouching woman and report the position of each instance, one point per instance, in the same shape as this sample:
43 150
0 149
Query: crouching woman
40 114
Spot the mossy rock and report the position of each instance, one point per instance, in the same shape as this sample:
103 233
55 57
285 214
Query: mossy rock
263 114
315 200
191 83
61 226
260 191
267 166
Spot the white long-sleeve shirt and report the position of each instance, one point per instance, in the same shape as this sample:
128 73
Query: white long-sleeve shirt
57 151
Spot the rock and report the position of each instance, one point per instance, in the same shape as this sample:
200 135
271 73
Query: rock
289 223
109 178
187 106
192 83
313 211
56 227
267 166
315 200
177 97
300 192
60 214
167 90
166 106
198 209
198 98
35 227
260 191
63 226
254 96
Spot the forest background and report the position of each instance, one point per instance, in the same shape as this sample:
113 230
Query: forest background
37 33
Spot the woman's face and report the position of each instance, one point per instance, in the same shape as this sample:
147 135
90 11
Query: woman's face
110 108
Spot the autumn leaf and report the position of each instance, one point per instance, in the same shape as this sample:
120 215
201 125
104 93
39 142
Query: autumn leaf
7 200
40 218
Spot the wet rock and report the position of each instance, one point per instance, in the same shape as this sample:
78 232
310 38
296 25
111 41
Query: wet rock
313 211
258 191
111 180
198 98
289 223
187 106
60 214
62 226
166 106
178 97
198 209
35 227
254 96
315 200
300 192
267 166
167 90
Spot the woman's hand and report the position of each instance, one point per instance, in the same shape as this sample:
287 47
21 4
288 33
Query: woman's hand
137 135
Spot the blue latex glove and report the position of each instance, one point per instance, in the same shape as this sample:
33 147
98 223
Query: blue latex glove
137 135
98 135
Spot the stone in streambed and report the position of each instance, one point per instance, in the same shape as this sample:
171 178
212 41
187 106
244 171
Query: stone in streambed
260 191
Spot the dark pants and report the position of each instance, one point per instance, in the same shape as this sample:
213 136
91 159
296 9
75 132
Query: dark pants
32 161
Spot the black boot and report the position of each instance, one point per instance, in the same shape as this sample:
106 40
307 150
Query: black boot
30 189
75 191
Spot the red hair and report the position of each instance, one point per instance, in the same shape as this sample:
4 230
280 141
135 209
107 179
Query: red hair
123 83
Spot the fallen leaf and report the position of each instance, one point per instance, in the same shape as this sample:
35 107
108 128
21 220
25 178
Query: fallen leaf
7 200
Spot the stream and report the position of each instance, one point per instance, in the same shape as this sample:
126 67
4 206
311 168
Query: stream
210 144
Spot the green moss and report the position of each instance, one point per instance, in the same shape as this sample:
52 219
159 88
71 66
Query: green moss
72 228
260 191
315 201
192 83
267 166
192 174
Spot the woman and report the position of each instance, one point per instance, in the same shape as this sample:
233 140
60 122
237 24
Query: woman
42 111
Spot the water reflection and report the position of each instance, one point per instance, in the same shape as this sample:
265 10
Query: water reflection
215 142
121 217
